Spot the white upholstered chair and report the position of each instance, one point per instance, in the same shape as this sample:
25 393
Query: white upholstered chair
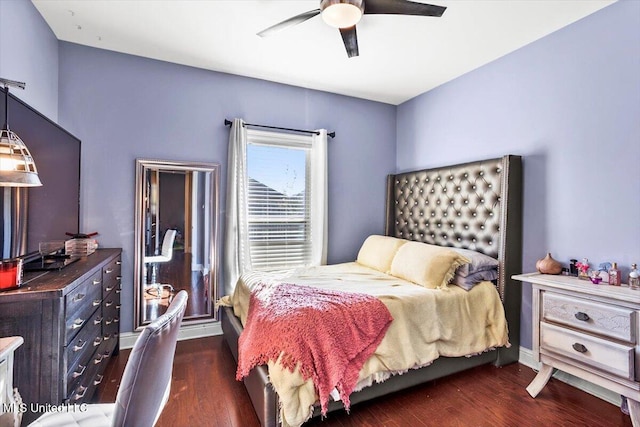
166 254
146 381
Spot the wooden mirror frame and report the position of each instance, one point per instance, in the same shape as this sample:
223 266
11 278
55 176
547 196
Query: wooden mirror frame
211 204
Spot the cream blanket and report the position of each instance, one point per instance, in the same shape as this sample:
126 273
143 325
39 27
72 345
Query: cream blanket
428 323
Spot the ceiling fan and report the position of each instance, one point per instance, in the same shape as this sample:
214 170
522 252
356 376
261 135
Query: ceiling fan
345 14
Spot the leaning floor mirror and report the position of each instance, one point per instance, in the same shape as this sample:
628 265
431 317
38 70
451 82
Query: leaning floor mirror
176 236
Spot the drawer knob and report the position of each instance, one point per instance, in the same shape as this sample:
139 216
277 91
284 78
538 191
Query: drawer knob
76 348
76 374
98 379
582 316
579 348
77 324
109 288
109 270
97 341
96 282
77 297
81 392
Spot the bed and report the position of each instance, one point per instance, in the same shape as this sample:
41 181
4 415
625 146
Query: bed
477 206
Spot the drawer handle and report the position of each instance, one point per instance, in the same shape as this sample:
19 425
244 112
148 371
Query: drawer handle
116 319
118 306
96 281
98 379
118 278
107 337
118 291
79 346
97 321
81 393
579 348
78 297
582 316
98 360
109 288
108 321
108 303
96 302
97 341
76 374
106 354
108 271
77 324
118 262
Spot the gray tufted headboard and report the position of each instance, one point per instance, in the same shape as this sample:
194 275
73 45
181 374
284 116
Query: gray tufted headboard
476 206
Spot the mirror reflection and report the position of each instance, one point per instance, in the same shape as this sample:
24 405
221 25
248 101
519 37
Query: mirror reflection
176 234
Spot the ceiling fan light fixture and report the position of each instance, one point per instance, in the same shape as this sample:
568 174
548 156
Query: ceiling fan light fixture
342 13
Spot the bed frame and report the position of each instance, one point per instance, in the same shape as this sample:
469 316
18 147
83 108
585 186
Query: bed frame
475 205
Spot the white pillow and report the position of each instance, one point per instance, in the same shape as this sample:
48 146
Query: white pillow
427 265
377 252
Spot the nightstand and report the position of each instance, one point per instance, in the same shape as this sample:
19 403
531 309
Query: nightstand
589 331
10 402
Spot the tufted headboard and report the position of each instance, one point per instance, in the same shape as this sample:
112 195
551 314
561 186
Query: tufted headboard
476 206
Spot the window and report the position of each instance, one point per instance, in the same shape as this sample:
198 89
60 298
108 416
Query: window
279 199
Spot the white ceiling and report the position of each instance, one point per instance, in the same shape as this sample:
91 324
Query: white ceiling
400 56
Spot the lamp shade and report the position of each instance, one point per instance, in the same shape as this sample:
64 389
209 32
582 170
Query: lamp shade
341 13
17 168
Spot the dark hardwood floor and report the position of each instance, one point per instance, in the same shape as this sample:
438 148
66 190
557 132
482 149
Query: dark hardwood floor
205 393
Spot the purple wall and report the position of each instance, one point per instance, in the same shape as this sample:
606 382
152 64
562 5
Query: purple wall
29 53
125 107
570 105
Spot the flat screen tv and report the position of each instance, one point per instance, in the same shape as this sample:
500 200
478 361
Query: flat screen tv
53 209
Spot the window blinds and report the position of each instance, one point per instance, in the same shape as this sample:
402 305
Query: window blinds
279 192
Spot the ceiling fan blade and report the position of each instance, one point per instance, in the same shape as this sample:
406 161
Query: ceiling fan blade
298 19
350 39
402 7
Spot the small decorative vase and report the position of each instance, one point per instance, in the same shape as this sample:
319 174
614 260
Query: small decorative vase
548 265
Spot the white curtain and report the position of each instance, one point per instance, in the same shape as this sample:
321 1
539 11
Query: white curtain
237 257
319 199
237 254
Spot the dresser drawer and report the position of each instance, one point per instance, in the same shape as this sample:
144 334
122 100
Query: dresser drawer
111 276
598 318
83 390
82 348
81 303
608 356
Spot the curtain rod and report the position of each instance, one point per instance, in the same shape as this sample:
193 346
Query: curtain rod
228 122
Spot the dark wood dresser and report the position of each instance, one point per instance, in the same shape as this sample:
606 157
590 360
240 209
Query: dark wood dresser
69 320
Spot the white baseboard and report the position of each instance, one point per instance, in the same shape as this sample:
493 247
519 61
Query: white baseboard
526 358
187 332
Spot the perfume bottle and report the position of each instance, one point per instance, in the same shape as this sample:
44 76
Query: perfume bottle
614 275
634 277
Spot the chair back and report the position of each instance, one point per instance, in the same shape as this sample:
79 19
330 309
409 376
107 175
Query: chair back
167 244
146 380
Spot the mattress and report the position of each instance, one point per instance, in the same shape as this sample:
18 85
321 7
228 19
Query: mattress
428 323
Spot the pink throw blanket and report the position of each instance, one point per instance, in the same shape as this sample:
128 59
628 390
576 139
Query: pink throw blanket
329 333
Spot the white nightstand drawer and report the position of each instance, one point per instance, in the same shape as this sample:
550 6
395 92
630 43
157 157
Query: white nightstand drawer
608 356
602 319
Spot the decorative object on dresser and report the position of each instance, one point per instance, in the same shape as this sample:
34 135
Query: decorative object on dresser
10 400
69 320
548 265
589 331
146 381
